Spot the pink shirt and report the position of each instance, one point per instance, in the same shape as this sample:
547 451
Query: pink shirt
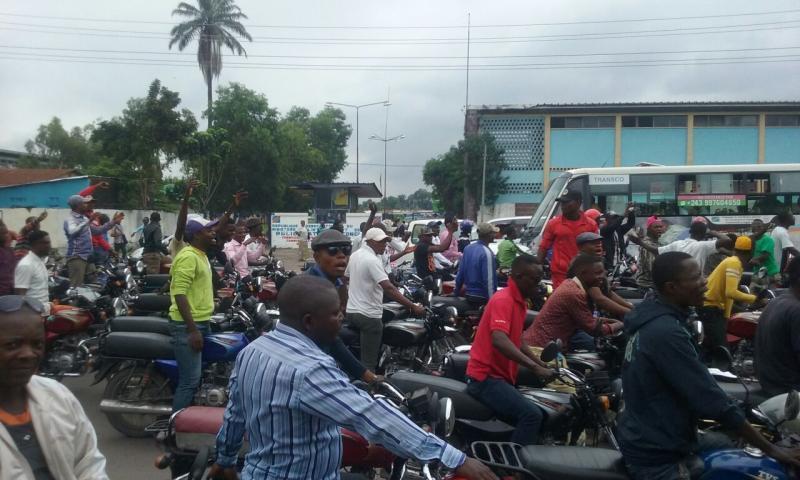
452 252
237 254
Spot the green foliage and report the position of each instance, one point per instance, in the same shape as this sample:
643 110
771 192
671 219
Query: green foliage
419 200
206 155
448 177
214 24
54 147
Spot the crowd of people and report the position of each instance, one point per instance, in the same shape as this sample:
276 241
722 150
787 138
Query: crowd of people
308 368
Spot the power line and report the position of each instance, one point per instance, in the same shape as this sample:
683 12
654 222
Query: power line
408 57
751 60
418 27
427 41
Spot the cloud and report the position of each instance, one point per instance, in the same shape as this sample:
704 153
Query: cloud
427 106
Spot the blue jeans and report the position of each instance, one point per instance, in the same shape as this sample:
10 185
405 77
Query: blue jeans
190 364
582 341
510 406
672 471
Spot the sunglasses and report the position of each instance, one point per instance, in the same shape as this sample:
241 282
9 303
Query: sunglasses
13 303
334 250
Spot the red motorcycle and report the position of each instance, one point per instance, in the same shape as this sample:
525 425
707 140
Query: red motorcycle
188 438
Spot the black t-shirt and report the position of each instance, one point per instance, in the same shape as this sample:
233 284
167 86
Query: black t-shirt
778 345
28 444
423 260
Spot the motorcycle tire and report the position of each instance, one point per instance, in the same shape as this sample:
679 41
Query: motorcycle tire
133 424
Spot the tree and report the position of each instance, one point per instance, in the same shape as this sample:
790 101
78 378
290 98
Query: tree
449 179
143 140
214 25
205 156
54 147
327 133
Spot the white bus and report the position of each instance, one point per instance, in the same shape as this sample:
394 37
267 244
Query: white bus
728 196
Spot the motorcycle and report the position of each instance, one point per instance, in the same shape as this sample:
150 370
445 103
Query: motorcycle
574 415
72 329
189 437
137 358
741 335
554 462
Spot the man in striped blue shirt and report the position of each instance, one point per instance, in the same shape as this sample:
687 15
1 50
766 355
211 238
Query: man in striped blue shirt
290 398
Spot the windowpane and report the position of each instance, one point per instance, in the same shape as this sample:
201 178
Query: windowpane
572 122
701 120
785 182
605 122
716 121
645 121
628 121
661 121
783 120
654 194
556 122
589 122
677 121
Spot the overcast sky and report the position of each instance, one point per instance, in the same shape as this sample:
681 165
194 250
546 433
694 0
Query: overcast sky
427 105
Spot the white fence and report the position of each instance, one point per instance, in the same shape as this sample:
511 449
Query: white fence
283 226
14 218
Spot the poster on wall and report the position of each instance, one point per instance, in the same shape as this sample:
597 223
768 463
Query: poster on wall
341 197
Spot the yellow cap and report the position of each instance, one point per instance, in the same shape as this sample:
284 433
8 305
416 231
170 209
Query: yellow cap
743 243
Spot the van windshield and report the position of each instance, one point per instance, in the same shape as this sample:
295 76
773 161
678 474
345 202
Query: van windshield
542 212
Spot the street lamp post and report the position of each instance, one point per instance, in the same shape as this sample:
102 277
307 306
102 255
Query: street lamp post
357 107
385 179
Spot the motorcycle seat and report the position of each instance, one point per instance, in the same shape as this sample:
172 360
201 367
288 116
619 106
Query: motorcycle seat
139 324
753 394
459 303
151 302
571 463
199 420
456 368
143 345
155 279
464 404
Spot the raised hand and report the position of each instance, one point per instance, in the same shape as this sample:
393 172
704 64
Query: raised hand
239 196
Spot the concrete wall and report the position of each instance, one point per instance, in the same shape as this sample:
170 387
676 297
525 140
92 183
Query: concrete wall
581 147
283 226
14 218
666 146
782 145
725 145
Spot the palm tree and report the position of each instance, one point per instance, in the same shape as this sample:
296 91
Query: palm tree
213 24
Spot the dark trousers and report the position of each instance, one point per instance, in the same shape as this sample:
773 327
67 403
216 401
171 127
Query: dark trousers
715 326
679 470
510 406
582 341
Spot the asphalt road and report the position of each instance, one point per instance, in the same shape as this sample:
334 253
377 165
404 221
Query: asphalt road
127 458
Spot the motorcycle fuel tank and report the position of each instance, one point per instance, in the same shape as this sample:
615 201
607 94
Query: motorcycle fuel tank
66 319
403 334
223 347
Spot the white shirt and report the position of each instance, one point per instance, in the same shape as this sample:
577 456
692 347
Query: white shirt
782 241
366 272
65 433
439 260
395 246
302 234
31 274
699 250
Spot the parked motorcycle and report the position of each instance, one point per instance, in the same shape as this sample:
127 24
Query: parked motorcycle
189 437
137 358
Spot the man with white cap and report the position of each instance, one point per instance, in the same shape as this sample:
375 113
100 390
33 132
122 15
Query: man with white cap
79 230
192 297
368 283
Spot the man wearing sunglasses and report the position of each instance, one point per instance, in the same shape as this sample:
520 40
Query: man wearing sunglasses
331 251
44 432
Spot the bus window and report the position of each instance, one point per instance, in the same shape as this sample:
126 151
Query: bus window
766 204
608 197
542 213
785 182
654 194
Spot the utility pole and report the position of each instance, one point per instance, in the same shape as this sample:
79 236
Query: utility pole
358 108
483 186
469 196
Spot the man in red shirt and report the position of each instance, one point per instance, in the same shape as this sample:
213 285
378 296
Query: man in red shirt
560 234
567 312
498 351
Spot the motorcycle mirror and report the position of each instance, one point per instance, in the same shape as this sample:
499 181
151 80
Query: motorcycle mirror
438 285
721 359
140 267
429 298
745 289
792 406
550 352
447 418
698 331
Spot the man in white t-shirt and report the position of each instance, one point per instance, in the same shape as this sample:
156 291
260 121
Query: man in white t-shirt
368 283
784 247
30 275
696 245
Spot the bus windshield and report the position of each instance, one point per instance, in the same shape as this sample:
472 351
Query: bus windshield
542 213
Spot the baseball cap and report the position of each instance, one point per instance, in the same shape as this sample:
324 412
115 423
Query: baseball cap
196 224
485 228
743 243
571 196
653 220
434 223
376 234
586 237
76 200
329 237
592 213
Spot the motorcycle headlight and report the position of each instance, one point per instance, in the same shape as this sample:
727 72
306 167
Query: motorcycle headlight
279 264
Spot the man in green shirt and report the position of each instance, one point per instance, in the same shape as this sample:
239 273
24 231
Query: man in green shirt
192 305
763 258
507 251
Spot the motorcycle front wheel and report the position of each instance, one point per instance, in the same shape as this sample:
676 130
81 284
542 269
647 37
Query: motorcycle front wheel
137 386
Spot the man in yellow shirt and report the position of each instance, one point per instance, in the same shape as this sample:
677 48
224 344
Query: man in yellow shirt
192 296
723 290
